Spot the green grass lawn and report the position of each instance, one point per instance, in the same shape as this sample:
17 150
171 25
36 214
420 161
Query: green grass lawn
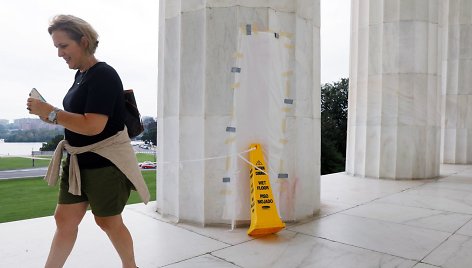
31 198
146 157
8 163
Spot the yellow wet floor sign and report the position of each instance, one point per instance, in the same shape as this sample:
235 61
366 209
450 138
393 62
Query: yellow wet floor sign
264 216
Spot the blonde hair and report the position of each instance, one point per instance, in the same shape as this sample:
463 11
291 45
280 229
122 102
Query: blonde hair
76 28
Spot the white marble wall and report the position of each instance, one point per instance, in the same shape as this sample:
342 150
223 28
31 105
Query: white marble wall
198 39
394 89
456 120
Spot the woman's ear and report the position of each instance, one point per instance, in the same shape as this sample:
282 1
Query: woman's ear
84 42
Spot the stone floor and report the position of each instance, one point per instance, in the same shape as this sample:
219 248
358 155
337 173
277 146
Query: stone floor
363 223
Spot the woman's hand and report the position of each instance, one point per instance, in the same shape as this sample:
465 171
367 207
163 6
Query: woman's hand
39 108
88 124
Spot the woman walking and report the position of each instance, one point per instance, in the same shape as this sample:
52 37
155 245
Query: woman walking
101 168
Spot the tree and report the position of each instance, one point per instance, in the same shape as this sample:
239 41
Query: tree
52 144
32 135
334 126
150 130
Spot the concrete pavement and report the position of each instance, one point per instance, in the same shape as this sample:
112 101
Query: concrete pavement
23 173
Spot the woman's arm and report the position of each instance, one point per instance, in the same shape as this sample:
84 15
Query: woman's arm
88 124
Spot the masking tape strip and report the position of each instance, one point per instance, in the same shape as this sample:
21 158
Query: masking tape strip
230 140
286 34
255 29
235 85
238 55
288 73
228 163
248 29
225 192
289 46
230 129
235 69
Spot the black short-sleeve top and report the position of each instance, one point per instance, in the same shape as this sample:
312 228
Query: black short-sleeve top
99 90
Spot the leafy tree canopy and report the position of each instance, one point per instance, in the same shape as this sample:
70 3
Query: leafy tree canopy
52 144
334 126
150 130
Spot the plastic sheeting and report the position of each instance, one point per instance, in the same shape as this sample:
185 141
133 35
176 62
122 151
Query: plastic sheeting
260 102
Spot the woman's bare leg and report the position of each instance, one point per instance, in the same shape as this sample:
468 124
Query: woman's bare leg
68 218
120 237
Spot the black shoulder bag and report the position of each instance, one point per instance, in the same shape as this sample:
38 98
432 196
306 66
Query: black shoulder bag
132 116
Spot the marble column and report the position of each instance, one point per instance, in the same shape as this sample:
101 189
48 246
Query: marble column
201 175
394 89
457 80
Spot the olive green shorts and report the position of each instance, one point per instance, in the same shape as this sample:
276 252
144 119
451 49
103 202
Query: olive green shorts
106 189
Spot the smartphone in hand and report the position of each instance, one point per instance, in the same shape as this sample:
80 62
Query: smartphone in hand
36 95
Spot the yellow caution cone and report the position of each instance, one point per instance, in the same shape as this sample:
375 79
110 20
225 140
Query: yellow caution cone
264 216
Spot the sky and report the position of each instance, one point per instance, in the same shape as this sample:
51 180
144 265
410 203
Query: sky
335 36
128 33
